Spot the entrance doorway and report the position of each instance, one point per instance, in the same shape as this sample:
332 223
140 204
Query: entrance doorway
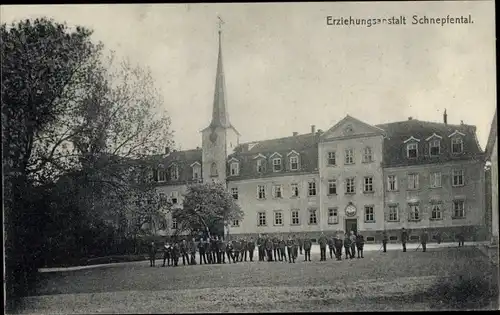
351 225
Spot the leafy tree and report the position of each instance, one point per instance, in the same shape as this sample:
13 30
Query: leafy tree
207 207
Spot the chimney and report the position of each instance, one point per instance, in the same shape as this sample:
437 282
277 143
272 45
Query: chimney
320 131
461 122
167 150
410 118
445 117
313 128
295 133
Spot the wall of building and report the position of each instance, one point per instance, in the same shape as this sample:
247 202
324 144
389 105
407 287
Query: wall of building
251 205
167 190
472 192
494 192
358 170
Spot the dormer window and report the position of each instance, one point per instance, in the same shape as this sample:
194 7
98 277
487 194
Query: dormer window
277 164
435 147
235 168
174 172
162 175
196 170
261 166
412 150
294 163
457 145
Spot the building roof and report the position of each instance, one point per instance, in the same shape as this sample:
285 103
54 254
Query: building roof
399 132
183 160
492 137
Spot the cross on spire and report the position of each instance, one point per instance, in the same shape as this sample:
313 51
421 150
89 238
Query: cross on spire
220 22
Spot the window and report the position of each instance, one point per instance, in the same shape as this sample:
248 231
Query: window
393 213
457 145
392 183
436 213
213 169
369 214
393 238
162 175
162 196
312 217
196 172
174 224
370 239
349 186
261 192
277 191
458 209
367 155
261 216
412 181
414 212
333 216
412 150
295 217
174 172
234 193
331 159
332 187
295 190
294 163
235 168
277 164
368 187
349 156
174 197
312 189
278 218
434 147
435 179
235 223
458 177
261 166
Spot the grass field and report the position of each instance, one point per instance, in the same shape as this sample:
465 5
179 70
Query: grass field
438 279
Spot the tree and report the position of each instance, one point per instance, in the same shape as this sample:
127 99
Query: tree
207 207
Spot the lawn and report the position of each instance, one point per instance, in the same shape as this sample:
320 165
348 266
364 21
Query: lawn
381 281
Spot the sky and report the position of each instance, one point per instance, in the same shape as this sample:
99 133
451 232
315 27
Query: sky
286 69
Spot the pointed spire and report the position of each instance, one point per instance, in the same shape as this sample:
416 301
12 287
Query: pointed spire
220 115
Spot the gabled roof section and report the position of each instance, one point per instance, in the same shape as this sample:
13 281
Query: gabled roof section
233 159
274 154
293 152
412 138
492 137
456 132
195 163
434 135
259 156
355 122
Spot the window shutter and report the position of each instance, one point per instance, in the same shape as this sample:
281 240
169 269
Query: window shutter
257 195
416 181
155 175
274 190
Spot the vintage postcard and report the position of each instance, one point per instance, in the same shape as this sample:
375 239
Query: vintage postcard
250 157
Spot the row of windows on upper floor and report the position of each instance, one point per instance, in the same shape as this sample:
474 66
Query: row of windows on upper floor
434 145
413 182
393 214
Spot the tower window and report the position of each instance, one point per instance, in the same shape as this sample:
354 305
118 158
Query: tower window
213 169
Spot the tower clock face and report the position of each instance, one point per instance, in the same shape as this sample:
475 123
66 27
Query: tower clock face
348 130
350 210
213 136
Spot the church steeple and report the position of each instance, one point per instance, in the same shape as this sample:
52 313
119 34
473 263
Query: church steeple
220 115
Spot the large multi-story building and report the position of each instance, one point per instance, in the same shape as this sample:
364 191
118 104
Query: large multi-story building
354 176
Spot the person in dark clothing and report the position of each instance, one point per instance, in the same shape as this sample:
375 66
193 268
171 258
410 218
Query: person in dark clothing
223 250
461 239
424 238
322 246
307 249
175 253
218 244
385 239
347 246
166 254
289 247
338 246
282 246
208 250
295 248
229 251
213 249
301 244
251 248
353 244
438 237
404 238
360 243
236 250
331 247
201 250
184 252
275 248
243 250
269 249
192 251
260 247
152 254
